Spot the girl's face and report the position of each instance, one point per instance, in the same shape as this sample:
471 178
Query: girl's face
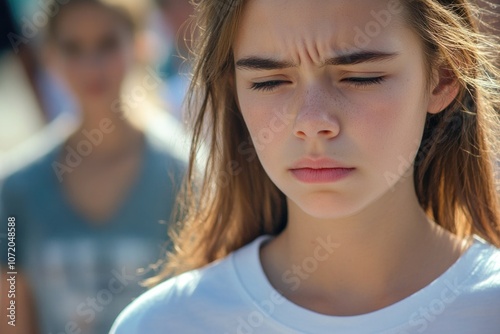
339 84
93 51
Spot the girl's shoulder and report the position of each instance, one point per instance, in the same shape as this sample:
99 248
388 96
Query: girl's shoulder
475 279
171 300
482 266
185 301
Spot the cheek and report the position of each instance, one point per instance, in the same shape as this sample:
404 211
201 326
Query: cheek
118 64
268 122
73 76
391 129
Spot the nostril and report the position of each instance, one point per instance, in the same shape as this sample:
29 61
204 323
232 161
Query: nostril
301 134
325 133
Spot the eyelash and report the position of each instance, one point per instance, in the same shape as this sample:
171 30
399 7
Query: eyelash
361 82
356 82
266 85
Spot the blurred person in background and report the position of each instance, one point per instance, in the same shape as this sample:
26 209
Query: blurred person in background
92 211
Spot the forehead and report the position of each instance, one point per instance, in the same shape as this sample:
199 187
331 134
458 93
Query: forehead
321 27
85 22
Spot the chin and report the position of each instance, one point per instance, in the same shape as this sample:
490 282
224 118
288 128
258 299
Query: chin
330 206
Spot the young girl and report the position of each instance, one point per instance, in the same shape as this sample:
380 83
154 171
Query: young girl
349 187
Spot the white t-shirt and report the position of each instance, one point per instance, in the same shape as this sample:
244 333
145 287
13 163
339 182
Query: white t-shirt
233 295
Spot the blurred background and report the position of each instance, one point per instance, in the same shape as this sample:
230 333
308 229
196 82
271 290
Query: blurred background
93 147
33 88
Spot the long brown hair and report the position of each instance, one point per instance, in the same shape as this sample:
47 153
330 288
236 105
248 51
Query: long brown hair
233 201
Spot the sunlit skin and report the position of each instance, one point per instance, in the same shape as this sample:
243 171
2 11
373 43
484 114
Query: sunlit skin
368 116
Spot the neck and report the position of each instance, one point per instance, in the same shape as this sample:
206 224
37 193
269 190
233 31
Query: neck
108 131
362 258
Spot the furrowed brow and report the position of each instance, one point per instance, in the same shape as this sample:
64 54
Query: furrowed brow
360 57
258 63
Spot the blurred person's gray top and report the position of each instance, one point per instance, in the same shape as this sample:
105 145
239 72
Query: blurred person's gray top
83 275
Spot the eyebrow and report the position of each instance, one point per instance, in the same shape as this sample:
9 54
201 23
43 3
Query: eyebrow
259 63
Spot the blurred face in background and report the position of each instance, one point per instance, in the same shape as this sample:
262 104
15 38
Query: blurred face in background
92 52
176 13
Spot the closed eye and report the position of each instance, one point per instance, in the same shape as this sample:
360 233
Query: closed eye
361 82
354 81
267 85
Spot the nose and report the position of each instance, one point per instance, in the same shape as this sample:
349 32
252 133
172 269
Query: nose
94 60
316 116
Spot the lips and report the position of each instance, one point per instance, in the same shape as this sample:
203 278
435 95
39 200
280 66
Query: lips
96 88
322 170
319 163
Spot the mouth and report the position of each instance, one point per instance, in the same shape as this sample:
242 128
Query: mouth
97 88
323 175
321 170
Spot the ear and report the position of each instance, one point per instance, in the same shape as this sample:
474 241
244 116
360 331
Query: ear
444 90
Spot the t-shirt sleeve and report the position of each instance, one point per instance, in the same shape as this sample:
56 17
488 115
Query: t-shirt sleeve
140 316
153 312
126 323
